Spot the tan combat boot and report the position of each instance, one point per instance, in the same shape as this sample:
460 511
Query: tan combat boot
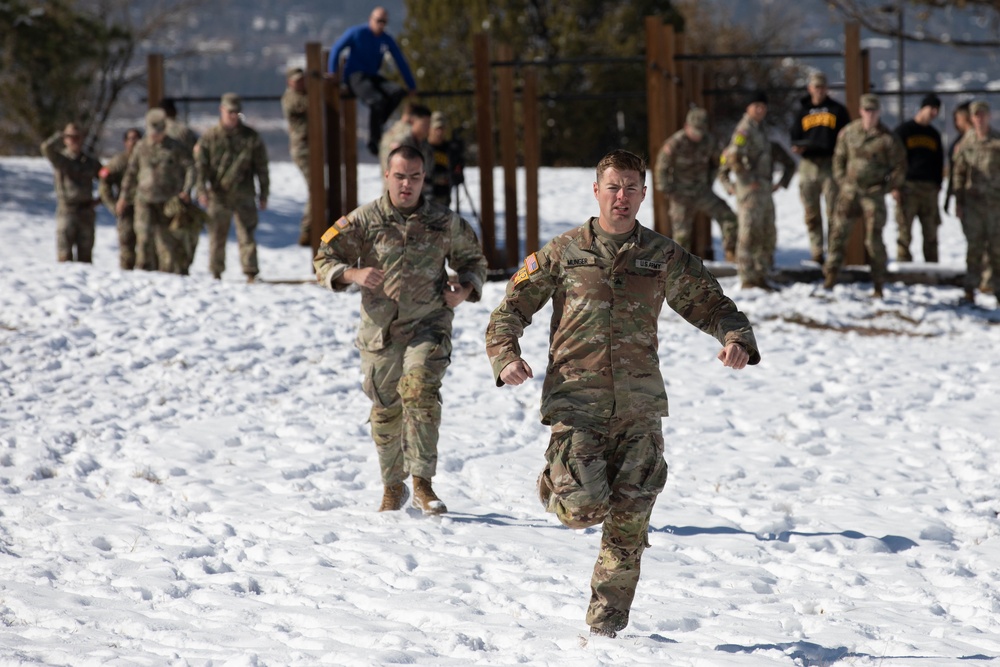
829 279
394 497
545 489
424 498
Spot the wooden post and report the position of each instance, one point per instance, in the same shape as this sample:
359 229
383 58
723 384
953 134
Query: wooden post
656 110
349 115
854 77
484 139
532 159
155 78
508 154
334 149
314 121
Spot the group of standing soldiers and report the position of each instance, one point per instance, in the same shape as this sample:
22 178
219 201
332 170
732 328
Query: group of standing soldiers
852 165
149 184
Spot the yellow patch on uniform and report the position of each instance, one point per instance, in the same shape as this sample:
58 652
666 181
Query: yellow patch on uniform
531 263
520 276
740 139
329 234
342 223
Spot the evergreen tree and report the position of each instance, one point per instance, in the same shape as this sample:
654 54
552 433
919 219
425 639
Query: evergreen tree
578 128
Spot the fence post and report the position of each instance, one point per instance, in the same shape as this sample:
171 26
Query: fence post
532 159
314 121
334 148
854 77
484 139
508 153
656 111
154 82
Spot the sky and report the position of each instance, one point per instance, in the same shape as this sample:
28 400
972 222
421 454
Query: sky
188 478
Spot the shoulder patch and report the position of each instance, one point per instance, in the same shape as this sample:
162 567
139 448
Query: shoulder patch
520 276
531 264
740 139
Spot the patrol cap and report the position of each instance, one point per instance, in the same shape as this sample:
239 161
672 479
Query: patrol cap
438 119
931 100
72 130
156 120
232 102
978 106
870 102
294 73
697 118
817 79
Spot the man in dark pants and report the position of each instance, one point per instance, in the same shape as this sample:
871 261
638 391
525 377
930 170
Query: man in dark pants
367 44
924 173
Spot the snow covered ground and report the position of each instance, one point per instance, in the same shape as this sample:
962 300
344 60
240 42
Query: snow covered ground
188 478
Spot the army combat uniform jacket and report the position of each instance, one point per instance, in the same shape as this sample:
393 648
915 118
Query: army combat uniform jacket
412 251
228 160
156 172
686 168
605 305
295 107
873 162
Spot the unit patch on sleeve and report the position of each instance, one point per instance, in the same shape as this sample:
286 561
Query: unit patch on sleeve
337 227
531 263
520 276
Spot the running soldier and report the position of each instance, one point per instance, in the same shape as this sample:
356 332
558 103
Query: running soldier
230 156
159 170
603 393
685 170
75 172
110 188
818 121
869 162
395 249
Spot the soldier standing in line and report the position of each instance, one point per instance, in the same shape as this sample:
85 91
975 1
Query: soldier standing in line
685 170
924 173
962 120
110 188
295 107
869 162
395 249
75 172
818 121
187 219
159 169
977 198
176 129
749 156
441 171
229 157
603 393
416 134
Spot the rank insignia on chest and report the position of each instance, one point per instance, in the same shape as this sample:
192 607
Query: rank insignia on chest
650 266
337 227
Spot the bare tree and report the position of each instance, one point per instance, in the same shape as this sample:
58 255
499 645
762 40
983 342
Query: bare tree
932 17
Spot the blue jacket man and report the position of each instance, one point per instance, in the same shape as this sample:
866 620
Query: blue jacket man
368 44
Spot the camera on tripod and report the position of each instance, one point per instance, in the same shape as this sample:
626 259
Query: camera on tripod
456 157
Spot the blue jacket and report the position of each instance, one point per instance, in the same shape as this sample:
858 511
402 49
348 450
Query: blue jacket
366 53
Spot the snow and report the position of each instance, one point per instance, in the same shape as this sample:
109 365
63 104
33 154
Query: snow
188 477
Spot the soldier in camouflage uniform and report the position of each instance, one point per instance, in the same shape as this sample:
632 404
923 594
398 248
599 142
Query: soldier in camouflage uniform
75 171
869 162
750 156
685 170
295 107
392 137
176 129
976 185
603 393
110 188
187 219
159 169
395 249
229 156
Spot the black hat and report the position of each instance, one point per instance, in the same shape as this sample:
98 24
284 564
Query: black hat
757 96
931 100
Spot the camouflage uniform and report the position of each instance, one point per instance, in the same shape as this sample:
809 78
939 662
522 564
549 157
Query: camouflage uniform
405 332
156 173
685 171
603 393
228 161
187 220
392 138
110 189
867 165
295 105
750 156
75 215
976 177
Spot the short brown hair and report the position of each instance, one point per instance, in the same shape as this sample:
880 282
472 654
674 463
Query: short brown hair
622 160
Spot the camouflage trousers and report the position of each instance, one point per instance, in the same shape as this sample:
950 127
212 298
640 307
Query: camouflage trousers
758 236
870 206
302 162
982 234
152 234
608 472
403 382
75 228
920 200
221 211
684 209
816 183
126 242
